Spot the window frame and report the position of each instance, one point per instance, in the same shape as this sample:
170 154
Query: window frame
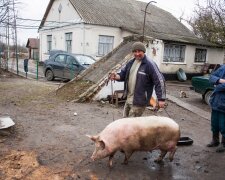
105 44
60 60
202 54
68 41
174 53
49 43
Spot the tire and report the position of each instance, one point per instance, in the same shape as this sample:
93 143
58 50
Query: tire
49 75
207 96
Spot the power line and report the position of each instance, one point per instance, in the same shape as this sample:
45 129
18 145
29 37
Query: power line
45 21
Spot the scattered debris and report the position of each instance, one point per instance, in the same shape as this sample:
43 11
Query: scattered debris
6 122
24 165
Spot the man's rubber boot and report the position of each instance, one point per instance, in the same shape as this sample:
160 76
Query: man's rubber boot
215 141
222 146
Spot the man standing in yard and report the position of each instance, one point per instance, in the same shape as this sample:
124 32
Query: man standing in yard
140 76
217 102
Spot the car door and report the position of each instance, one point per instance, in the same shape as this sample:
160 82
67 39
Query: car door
72 67
59 65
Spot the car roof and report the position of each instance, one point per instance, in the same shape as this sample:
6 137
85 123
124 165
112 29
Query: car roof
73 54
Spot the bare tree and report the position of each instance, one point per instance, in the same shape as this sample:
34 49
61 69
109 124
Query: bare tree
7 11
4 9
209 21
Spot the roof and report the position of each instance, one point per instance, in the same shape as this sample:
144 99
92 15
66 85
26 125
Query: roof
33 43
129 15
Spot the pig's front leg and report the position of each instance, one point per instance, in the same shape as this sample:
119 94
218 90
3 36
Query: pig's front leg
161 156
110 159
127 156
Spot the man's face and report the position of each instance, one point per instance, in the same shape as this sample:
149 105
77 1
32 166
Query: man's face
138 54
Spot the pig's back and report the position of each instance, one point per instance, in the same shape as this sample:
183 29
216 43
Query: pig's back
142 122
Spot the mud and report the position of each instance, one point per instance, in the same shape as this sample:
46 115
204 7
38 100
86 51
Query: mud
49 142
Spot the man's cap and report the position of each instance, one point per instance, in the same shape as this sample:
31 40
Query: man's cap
138 46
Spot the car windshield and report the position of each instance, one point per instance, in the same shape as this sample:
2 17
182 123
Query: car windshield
85 60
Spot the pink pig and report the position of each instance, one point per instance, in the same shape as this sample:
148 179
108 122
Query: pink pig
137 134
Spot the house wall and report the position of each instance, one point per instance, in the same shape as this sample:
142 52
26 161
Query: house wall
85 37
67 14
156 49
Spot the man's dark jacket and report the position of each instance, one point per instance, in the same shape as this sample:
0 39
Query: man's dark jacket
217 99
148 77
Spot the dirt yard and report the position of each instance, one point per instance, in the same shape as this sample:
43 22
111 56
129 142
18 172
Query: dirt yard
48 140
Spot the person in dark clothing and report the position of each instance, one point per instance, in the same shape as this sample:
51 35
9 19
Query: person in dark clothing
217 103
140 76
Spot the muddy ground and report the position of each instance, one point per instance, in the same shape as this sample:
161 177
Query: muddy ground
49 142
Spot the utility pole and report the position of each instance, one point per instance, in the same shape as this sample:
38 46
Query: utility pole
7 61
143 34
17 66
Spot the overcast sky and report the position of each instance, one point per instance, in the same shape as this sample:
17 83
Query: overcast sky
35 9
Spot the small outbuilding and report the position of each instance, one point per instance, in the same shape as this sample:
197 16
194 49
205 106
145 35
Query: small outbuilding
33 48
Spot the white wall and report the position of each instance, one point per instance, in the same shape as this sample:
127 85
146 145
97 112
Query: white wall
109 89
214 56
68 13
84 40
91 38
85 37
155 51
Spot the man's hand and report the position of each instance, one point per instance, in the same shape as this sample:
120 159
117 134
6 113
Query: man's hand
114 76
161 104
221 81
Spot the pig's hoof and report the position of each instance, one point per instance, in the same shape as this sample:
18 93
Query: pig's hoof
110 164
125 162
159 160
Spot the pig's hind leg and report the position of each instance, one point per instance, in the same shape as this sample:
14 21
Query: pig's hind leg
172 152
161 156
127 156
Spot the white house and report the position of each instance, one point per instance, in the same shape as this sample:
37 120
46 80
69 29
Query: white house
96 27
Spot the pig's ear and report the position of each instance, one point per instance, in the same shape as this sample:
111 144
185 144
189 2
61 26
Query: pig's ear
93 138
102 144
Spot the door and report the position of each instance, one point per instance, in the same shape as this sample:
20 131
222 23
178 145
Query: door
59 65
72 67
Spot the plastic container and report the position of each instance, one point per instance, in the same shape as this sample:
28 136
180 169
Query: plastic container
185 141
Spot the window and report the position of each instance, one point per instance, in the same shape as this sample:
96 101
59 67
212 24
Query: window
200 55
49 42
60 59
70 60
105 45
68 42
174 53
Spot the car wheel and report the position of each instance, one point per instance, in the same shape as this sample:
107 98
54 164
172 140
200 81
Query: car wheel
207 96
49 75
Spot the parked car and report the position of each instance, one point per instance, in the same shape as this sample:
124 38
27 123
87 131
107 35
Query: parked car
55 51
201 84
65 65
